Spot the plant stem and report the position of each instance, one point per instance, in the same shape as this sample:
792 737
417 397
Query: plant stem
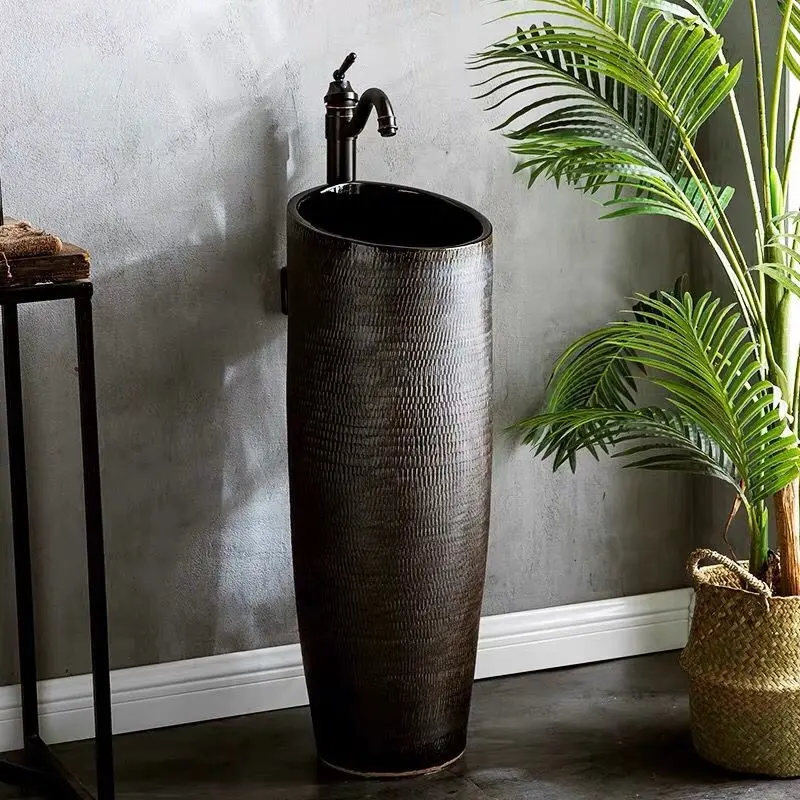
778 314
795 407
758 522
729 240
741 281
748 165
762 110
787 164
757 210
781 323
777 85
788 528
719 212
796 397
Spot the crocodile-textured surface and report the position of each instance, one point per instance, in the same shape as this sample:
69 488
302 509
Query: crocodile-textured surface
388 395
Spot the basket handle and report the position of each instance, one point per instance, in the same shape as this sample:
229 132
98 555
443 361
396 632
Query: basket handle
754 583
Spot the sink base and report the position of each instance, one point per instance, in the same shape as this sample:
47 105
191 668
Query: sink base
389 386
408 774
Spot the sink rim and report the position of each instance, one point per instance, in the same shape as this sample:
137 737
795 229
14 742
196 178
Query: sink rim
294 212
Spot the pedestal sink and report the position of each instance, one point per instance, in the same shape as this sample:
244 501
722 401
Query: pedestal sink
388 402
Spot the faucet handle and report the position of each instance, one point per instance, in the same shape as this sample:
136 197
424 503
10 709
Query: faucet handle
338 75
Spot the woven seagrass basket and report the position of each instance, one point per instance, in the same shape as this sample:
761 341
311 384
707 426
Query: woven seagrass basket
743 663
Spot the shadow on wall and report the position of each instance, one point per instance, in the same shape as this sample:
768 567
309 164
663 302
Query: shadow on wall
191 369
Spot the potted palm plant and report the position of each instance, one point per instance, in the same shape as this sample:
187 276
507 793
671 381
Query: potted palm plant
608 96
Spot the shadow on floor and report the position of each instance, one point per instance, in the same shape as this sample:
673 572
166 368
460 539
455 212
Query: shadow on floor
603 731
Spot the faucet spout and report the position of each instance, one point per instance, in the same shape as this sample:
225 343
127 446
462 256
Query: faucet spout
345 118
377 99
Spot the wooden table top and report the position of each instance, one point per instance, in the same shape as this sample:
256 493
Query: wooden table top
71 264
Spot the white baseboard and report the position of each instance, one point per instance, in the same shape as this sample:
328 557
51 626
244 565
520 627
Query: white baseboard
583 632
263 680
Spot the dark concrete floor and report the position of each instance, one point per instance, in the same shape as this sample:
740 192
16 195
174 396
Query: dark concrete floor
618 729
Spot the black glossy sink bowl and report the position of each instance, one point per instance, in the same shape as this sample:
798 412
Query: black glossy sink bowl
389 385
385 214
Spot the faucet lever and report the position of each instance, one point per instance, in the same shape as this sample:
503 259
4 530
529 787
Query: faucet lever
338 74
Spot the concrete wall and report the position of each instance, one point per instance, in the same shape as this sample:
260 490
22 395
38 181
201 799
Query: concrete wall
166 138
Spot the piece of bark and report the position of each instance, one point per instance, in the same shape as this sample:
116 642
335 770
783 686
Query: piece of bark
70 263
21 240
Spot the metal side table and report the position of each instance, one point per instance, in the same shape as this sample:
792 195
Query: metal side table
40 769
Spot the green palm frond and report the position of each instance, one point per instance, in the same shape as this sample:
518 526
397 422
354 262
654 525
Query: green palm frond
611 93
594 373
711 12
689 195
785 276
721 417
657 439
791 55
783 245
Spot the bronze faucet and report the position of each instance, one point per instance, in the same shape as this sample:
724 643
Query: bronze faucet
345 118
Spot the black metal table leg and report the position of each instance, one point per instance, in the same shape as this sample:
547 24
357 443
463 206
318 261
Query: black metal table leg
19 515
98 612
41 768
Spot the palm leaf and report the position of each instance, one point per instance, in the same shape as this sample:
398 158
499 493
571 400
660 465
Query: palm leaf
785 276
627 84
791 56
710 12
785 243
721 418
655 439
713 12
594 372
688 190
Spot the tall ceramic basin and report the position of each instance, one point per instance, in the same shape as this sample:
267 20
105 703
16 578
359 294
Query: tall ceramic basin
388 401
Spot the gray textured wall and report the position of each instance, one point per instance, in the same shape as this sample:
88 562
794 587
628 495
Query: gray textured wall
166 138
